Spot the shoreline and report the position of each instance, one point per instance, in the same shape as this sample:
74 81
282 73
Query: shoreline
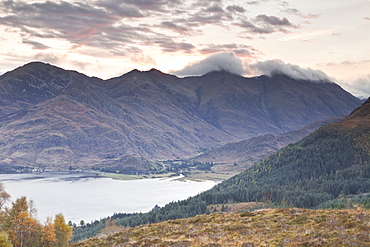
194 175
89 196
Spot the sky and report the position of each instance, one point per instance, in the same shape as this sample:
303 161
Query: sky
316 39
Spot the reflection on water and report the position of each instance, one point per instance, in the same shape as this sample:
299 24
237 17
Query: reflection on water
88 197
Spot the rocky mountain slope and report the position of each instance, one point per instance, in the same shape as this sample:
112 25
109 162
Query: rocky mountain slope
50 117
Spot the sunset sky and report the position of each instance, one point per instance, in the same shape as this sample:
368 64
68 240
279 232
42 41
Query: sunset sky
107 38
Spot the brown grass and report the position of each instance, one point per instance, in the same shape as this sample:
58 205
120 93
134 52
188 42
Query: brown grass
276 227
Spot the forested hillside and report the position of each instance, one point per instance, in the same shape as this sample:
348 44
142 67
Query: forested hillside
317 169
331 163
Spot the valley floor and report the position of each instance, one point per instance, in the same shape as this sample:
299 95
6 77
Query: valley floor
273 227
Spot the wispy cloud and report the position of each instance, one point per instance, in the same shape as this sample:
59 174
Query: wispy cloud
264 24
35 45
120 9
240 50
300 14
308 34
274 21
183 28
235 8
168 45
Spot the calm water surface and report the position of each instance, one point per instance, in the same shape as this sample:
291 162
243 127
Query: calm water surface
86 197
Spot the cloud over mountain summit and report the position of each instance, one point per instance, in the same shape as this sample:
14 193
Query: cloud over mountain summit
271 67
221 61
228 61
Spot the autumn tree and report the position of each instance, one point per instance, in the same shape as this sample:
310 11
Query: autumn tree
10 214
48 237
63 231
19 228
20 205
22 228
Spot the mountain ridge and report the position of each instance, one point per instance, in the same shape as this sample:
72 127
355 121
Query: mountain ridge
149 114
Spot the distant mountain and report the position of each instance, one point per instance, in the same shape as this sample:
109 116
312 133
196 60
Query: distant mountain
238 156
50 117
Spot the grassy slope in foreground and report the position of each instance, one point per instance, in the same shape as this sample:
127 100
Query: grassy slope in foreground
280 227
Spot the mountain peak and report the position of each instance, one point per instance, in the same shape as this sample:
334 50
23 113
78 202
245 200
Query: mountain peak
135 71
38 70
32 70
37 65
153 70
29 67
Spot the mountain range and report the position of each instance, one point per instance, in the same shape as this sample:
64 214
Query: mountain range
56 118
